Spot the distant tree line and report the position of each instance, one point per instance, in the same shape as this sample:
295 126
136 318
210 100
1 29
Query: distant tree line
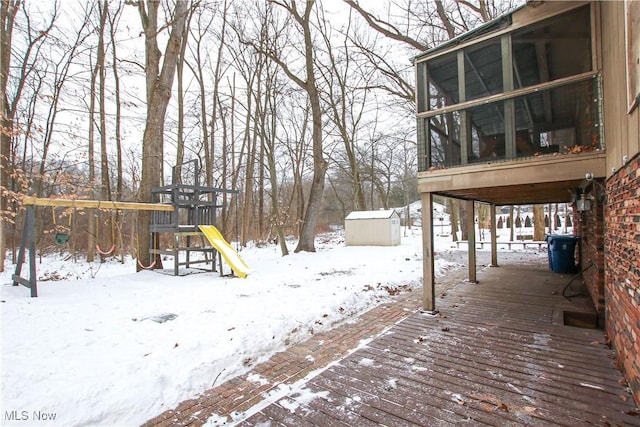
308 111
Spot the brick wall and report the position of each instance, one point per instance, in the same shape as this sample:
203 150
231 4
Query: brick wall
590 226
622 277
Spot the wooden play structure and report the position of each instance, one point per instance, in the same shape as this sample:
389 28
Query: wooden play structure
194 206
184 211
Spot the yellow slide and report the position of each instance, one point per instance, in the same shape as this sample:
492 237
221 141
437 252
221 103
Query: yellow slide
228 253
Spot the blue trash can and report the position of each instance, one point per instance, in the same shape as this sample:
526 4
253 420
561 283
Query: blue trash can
561 253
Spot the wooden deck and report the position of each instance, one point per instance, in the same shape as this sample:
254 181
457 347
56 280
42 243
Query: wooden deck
497 354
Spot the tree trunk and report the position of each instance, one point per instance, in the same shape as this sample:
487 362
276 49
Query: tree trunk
108 236
216 101
511 223
278 215
118 117
261 179
251 138
180 132
118 132
454 217
297 156
159 84
9 105
91 226
538 222
320 166
225 208
463 221
8 11
197 70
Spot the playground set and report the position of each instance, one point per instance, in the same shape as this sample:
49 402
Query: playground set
186 212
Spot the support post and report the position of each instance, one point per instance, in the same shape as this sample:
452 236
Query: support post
471 237
28 240
494 242
428 282
465 123
176 257
509 104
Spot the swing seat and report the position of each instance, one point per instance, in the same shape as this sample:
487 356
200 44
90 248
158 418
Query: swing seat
105 253
61 238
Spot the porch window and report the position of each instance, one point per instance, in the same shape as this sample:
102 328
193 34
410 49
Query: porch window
483 70
527 93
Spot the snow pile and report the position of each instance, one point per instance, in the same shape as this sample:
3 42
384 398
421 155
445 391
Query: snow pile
102 345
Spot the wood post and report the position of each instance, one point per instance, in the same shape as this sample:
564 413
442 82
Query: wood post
428 281
471 236
494 243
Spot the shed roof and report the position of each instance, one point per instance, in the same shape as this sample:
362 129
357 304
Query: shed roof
379 214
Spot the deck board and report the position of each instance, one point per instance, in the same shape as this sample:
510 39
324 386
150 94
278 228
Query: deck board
493 356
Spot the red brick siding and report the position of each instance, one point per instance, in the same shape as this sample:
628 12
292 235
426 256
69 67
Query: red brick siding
590 226
622 277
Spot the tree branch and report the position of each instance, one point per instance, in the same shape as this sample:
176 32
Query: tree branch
451 32
386 28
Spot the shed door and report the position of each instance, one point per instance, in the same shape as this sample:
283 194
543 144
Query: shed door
395 231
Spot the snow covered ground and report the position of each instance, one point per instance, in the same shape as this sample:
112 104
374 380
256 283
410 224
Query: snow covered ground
102 345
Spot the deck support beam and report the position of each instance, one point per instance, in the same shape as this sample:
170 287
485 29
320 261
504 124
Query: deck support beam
494 243
428 273
471 237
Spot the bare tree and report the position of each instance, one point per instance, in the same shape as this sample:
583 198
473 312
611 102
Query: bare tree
91 157
250 143
293 137
306 242
159 81
420 26
484 212
538 222
181 92
217 76
346 100
386 27
8 11
58 74
9 100
511 223
105 184
454 213
114 16
203 23
267 111
279 214
103 11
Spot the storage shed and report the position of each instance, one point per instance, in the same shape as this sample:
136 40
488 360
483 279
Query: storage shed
372 228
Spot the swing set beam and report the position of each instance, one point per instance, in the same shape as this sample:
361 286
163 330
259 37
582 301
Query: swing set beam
28 233
98 204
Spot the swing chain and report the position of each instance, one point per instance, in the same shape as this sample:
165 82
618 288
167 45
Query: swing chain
61 237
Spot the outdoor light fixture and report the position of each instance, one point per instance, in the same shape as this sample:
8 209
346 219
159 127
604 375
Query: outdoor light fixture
583 203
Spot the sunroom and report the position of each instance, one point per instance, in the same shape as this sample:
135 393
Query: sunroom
510 113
